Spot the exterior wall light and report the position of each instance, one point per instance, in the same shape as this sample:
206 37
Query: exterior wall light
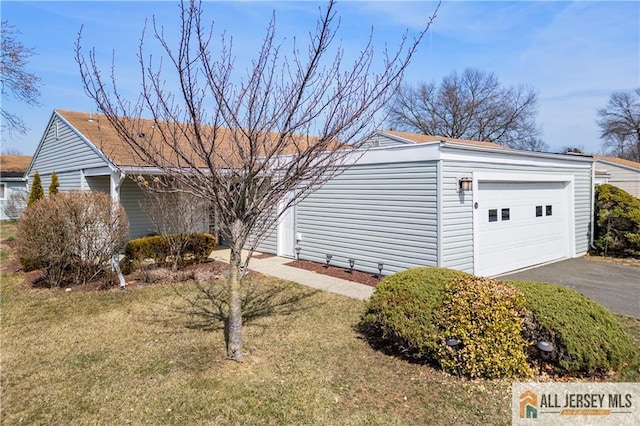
455 344
329 256
465 184
351 263
546 349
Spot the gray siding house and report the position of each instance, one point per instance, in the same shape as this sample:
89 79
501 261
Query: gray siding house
408 200
414 200
87 154
624 174
13 185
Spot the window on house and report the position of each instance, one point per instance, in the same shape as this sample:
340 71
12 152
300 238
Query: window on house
3 191
493 215
549 211
505 214
538 211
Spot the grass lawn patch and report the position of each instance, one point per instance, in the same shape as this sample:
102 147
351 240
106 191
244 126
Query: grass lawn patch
126 357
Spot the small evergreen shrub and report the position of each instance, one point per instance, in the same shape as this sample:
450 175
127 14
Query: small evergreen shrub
36 193
617 222
400 313
486 316
55 184
197 248
587 337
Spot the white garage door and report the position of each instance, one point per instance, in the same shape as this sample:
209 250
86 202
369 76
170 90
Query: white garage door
519 224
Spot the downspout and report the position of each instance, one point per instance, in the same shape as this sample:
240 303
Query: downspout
116 183
592 205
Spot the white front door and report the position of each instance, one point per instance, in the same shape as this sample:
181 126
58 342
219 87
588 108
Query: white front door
519 224
287 230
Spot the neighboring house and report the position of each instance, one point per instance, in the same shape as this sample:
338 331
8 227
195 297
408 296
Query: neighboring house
421 200
13 185
624 174
410 200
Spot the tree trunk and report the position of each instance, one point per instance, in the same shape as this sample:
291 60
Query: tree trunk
234 325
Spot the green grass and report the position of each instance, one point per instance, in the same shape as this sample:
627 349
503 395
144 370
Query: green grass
126 357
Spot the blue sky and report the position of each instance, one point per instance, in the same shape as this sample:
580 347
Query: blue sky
575 54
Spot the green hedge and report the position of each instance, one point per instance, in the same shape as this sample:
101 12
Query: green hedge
412 313
158 248
617 222
400 313
588 338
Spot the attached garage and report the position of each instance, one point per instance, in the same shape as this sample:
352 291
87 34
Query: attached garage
402 204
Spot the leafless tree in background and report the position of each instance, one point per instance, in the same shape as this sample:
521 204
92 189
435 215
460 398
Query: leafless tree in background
472 105
620 124
16 81
241 139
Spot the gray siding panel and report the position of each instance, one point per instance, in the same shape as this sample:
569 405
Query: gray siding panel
130 197
373 213
64 151
13 192
99 183
457 221
623 178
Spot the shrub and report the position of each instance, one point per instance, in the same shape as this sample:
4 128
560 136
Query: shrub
486 317
587 337
37 193
55 184
71 237
196 248
400 313
617 222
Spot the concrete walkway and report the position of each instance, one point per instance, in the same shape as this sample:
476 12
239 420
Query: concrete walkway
275 267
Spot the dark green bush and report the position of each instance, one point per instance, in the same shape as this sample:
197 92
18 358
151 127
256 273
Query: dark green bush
617 222
486 316
159 248
588 338
400 313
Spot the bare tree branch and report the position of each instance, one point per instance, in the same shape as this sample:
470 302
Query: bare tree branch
620 124
472 105
244 141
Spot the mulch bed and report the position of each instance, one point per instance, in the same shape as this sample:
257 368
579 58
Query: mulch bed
355 276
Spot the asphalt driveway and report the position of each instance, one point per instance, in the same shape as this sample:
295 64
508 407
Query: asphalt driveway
615 286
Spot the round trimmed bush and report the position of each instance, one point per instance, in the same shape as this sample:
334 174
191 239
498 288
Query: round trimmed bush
587 337
400 313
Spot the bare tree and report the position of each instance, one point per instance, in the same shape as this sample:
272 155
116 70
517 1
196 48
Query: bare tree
472 105
242 140
175 213
23 85
620 124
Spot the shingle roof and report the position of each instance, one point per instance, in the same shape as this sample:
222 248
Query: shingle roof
99 131
418 138
14 165
620 161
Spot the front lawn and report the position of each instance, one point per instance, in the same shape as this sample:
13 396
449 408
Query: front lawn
126 357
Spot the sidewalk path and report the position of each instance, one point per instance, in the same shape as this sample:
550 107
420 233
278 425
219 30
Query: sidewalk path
275 267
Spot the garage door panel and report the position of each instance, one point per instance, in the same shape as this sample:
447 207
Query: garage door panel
531 231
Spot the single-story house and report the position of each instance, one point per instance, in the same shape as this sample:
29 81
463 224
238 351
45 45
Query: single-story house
421 200
409 200
86 153
625 174
13 185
